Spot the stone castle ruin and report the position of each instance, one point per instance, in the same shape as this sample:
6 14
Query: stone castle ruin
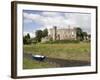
60 34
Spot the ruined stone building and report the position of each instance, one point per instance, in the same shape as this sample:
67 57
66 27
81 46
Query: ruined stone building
62 33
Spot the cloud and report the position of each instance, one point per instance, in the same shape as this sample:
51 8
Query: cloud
49 19
33 17
80 20
51 14
46 19
27 21
54 21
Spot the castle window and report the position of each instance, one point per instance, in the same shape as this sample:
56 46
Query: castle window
72 36
72 33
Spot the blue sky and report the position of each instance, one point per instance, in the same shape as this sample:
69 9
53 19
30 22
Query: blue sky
34 20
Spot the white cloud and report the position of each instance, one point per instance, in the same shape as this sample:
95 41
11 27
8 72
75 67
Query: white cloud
81 20
54 19
51 14
34 17
27 21
49 19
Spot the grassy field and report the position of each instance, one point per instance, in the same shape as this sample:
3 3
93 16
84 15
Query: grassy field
31 64
70 51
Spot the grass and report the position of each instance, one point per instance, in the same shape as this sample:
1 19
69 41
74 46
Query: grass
71 51
32 64
79 51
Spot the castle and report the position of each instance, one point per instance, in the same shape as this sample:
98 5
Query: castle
61 34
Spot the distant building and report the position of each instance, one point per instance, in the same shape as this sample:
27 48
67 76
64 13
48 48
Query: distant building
62 34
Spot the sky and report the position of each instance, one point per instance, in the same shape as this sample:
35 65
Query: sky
35 20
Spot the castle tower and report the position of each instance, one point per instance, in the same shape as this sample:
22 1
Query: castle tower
54 32
69 32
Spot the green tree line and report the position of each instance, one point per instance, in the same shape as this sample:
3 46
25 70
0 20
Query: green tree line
39 35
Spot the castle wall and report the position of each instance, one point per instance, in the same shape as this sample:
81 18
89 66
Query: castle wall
62 34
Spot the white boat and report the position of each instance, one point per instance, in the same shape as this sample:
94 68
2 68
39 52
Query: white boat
38 57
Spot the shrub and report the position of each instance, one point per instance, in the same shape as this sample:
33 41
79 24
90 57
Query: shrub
63 41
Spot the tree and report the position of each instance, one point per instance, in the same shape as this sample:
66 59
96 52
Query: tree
28 36
89 37
85 35
45 33
38 35
26 39
79 33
